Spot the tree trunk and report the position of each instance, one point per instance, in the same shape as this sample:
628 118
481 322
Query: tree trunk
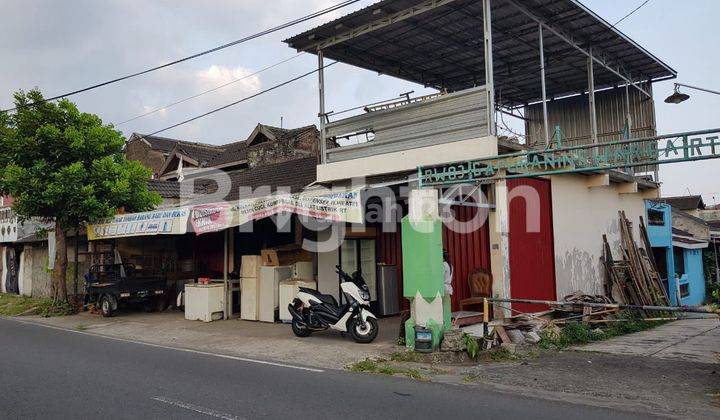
59 283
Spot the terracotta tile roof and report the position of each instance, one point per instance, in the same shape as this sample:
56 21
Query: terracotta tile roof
199 151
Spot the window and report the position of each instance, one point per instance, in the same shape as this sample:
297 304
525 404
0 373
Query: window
359 255
685 290
656 217
679 256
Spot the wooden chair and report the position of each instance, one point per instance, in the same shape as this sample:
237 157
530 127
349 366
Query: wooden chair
480 282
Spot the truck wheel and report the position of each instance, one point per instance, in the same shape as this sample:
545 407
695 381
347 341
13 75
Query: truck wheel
160 304
300 330
106 306
364 334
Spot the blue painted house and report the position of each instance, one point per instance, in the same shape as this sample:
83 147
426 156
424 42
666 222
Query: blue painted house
678 254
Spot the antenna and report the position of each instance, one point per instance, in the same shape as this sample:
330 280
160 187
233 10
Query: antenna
281 122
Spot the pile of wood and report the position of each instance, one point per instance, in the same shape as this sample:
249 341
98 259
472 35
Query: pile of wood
634 278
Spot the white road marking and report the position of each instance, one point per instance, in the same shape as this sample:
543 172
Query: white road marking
197 408
160 346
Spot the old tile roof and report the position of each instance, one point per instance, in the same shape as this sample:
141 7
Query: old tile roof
199 151
689 202
293 174
166 189
232 152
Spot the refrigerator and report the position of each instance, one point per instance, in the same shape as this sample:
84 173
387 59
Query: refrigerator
388 296
268 290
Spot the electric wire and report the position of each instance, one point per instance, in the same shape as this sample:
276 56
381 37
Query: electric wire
190 57
631 13
172 104
189 120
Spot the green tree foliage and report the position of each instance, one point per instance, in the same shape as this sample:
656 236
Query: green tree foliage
66 166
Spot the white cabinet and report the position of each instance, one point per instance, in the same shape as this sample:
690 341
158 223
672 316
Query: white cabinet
249 298
288 290
270 278
204 302
303 271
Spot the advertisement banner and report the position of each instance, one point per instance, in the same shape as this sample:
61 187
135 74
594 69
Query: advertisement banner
208 218
159 222
336 206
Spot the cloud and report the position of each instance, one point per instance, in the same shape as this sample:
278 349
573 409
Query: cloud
218 75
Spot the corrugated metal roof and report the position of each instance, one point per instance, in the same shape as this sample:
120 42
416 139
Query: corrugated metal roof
443 48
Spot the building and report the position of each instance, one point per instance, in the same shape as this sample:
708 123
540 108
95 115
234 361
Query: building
488 61
678 240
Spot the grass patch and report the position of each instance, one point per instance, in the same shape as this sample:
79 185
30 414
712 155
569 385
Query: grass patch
15 305
504 355
81 327
576 333
371 366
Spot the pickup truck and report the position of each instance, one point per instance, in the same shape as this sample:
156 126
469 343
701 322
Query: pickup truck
108 286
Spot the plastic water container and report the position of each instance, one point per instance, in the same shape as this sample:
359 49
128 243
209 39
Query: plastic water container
423 340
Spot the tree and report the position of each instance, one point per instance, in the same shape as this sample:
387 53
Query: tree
66 166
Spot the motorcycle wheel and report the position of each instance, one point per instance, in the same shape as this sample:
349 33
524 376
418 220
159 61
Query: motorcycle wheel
364 334
300 330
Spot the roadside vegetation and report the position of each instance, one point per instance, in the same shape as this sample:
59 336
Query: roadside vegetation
15 305
372 366
577 333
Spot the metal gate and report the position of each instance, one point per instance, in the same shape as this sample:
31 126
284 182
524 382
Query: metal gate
532 255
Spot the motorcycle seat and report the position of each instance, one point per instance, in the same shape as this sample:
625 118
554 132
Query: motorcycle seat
329 299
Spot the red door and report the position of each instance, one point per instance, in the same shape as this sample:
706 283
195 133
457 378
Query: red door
532 255
467 240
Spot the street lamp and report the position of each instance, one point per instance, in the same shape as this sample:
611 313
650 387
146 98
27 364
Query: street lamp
678 96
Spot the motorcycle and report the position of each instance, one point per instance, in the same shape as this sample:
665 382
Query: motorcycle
313 311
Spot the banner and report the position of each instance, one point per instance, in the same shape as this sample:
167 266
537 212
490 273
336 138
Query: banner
159 222
336 206
208 218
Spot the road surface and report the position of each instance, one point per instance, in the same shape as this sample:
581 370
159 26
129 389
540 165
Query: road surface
52 373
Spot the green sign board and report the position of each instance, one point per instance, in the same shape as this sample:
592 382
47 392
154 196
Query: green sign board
682 147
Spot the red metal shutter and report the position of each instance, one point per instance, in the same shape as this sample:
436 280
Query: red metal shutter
532 256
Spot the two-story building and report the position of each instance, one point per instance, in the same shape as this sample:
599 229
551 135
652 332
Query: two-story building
561 72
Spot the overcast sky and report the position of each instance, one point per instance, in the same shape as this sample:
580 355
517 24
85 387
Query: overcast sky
60 46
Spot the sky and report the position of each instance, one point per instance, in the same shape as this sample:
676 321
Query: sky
59 46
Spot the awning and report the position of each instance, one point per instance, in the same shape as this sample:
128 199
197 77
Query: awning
159 222
337 206
688 243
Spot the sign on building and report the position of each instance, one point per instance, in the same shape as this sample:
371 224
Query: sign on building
683 147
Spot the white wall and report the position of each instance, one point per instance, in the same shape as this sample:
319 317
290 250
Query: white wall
581 215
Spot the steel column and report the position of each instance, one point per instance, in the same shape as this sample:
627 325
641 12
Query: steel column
489 77
591 99
542 84
321 114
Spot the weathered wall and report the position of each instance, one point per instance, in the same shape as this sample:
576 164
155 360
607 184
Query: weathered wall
698 228
140 151
581 215
284 149
36 269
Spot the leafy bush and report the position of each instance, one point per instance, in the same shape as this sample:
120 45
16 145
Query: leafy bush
471 346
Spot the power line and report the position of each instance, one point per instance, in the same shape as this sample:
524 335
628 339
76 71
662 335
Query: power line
287 82
207 91
229 44
633 11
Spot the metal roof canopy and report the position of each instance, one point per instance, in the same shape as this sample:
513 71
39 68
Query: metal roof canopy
439 44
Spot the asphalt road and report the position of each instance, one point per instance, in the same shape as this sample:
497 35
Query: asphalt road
51 373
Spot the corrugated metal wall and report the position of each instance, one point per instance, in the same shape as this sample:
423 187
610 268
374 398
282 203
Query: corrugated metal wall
573 116
467 251
453 117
